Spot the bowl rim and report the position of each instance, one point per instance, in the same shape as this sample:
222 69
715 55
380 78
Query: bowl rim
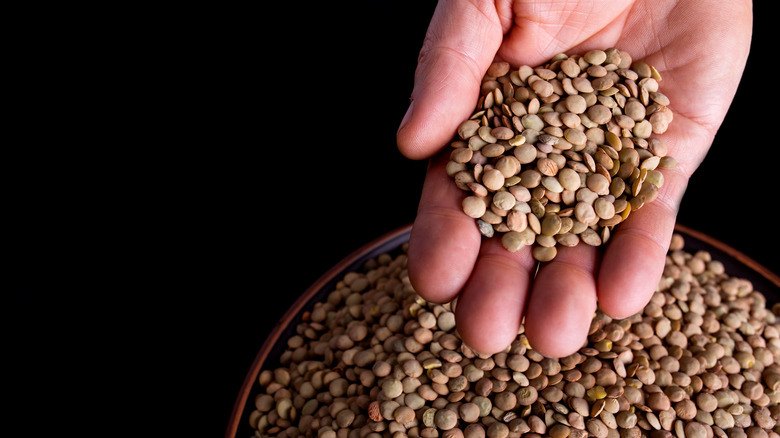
387 242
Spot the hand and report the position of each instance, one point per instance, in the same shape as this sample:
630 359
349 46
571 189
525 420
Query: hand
699 48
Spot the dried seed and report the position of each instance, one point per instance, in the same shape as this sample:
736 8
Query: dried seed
526 396
445 419
590 237
552 185
597 428
468 129
658 401
598 184
504 200
502 133
576 104
542 88
599 114
569 179
544 254
604 208
514 240
498 69
585 213
474 206
595 57
575 136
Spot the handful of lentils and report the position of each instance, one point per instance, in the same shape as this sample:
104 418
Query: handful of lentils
373 359
563 152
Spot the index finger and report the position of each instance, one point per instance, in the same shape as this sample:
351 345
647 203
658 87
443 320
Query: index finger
461 42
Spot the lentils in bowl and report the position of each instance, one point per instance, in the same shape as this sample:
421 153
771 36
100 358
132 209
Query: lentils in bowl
373 359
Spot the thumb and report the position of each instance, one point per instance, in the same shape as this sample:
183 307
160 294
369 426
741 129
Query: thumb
459 46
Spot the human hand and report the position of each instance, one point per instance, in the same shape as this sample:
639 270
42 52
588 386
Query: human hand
700 50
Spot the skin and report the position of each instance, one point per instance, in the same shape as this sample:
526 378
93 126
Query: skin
699 48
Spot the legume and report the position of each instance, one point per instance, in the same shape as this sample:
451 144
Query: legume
665 371
577 123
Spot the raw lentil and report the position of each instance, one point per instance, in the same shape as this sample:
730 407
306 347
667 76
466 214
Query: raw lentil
575 122
406 373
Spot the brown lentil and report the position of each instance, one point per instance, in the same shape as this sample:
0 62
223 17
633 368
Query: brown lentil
374 359
445 419
575 122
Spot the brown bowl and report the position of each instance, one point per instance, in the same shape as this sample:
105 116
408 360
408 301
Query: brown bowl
736 264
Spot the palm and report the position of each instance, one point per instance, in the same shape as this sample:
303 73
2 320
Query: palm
681 39
495 290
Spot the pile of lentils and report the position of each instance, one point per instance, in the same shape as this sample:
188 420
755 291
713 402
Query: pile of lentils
375 360
563 152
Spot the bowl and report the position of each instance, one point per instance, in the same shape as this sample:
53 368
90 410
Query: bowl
736 264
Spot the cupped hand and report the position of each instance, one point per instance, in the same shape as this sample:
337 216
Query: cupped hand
700 50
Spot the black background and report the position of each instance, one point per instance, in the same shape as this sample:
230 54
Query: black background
278 159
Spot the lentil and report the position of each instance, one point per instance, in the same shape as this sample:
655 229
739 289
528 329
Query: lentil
576 121
650 374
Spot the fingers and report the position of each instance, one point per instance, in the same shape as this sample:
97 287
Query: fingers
459 46
562 302
448 259
444 242
634 259
490 307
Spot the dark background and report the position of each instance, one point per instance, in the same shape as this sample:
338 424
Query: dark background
344 182
276 158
